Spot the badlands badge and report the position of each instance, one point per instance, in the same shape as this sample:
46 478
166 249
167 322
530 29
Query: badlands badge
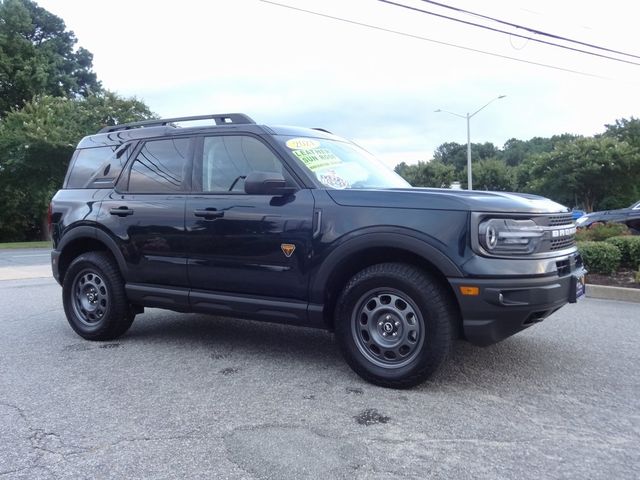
287 249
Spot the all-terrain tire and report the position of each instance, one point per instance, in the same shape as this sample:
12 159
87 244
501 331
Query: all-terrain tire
94 297
395 324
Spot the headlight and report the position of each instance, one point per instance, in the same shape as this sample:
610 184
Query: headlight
509 236
581 220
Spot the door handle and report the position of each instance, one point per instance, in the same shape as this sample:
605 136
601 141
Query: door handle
121 211
208 213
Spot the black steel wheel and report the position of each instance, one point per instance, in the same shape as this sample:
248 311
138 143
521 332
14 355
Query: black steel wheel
94 298
387 328
90 297
395 324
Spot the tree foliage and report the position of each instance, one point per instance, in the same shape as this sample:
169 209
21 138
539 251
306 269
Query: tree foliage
600 172
427 174
36 144
594 172
491 174
455 154
38 57
626 130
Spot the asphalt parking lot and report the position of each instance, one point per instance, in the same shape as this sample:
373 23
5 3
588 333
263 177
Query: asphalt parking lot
190 396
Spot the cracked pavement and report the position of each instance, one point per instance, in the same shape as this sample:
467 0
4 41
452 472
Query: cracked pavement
191 396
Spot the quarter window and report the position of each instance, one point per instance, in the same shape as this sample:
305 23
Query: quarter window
159 166
87 163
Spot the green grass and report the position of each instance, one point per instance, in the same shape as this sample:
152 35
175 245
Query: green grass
45 244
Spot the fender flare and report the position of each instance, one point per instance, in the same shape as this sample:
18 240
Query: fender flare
408 240
94 233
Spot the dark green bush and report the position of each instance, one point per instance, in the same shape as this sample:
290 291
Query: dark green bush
629 247
600 257
601 231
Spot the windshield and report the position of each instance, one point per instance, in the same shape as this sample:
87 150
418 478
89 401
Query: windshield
342 165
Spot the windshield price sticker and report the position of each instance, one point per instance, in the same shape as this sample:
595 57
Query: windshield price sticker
302 143
331 179
317 158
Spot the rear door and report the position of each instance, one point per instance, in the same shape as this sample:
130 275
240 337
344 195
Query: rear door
146 212
247 244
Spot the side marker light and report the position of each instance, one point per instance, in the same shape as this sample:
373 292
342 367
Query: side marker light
470 291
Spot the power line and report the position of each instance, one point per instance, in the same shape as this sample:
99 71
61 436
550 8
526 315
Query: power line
418 37
485 27
532 30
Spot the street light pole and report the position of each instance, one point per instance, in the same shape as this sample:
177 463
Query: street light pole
469 179
468 117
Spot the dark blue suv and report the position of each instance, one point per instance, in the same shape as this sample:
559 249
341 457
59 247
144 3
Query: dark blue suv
299 226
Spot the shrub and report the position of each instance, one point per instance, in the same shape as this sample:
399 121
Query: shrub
629 247
600 257
601 231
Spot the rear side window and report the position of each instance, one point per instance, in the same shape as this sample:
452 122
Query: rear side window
88 163
159 166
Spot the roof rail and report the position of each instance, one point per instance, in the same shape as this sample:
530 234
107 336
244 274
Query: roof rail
322 130
219 118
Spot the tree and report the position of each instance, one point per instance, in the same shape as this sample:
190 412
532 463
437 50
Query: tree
455 154
491 174
38 57
625 130
427 174
516 151
36 144
594 172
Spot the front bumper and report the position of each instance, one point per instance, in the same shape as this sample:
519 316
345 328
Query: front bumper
504 307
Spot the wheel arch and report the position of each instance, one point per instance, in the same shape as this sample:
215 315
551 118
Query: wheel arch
368 249
84 239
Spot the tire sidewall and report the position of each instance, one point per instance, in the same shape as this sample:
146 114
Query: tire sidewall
79 266
355 358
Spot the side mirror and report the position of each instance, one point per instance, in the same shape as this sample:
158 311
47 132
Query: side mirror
266 183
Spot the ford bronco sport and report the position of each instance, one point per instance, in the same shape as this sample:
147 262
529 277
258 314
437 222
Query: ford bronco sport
300 226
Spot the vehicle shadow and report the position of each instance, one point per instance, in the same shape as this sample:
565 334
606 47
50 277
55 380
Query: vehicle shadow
523 358
222 335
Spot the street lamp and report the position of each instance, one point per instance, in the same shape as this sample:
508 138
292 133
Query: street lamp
468 117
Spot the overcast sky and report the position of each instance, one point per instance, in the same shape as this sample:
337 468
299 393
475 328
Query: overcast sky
287 67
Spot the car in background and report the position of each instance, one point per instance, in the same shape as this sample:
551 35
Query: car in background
630 216
576 213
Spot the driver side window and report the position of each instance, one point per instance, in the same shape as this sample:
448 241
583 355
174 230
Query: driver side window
226 161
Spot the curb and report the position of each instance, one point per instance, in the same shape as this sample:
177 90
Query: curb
613 293
25 272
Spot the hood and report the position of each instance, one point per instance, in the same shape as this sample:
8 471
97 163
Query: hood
446 199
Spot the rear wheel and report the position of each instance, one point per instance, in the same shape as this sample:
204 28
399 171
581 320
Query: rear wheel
94 298
395 324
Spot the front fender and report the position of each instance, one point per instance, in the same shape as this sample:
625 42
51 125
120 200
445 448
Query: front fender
398 238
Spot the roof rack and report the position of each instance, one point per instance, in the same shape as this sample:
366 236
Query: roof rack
219 118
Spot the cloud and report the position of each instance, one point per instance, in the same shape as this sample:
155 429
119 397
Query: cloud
282 66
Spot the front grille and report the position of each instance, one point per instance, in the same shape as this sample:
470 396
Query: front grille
564 267
558 235
562 243
557 220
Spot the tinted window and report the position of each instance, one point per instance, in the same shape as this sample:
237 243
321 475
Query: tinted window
159 166
88 162
226 160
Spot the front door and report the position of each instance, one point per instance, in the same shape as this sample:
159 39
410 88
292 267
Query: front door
256 245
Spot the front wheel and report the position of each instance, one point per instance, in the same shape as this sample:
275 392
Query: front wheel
395 324
94 298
